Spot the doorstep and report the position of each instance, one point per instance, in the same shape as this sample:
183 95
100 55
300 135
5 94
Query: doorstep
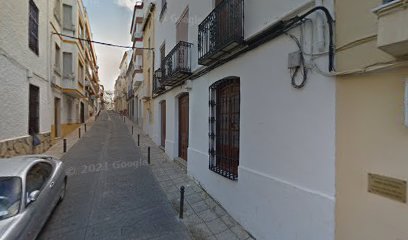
181 162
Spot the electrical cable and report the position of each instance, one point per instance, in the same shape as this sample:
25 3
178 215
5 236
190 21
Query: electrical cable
100 43
302 66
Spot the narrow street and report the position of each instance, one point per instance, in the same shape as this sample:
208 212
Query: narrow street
111 193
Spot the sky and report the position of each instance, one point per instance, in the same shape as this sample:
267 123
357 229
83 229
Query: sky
110 22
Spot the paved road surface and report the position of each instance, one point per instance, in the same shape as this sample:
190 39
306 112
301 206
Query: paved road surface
111 194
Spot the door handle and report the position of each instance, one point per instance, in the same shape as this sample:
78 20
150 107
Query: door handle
52 184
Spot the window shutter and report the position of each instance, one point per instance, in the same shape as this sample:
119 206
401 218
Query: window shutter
68 17
67 64
182 28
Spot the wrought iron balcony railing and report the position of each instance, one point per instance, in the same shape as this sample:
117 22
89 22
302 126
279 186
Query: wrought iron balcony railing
158 87
221 31
176 66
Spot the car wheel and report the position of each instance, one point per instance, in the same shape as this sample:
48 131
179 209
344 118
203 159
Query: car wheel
63 190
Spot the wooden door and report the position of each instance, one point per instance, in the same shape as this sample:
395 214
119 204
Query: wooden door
228 123
163 123
183 126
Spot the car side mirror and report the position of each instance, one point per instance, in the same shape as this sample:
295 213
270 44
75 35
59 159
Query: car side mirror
33 196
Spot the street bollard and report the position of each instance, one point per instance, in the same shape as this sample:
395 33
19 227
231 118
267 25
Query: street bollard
79 132
85 127
138 140
123 118
148 155
65 145
132 130
181 202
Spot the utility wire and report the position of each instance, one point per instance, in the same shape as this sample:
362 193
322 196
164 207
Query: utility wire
100 43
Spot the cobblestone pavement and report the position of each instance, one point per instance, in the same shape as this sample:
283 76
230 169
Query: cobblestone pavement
112 193
203 216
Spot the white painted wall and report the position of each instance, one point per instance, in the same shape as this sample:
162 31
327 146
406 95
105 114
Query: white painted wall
16 60
286 186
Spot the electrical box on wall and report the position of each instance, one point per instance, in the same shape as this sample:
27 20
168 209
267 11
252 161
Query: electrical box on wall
294 60
406 103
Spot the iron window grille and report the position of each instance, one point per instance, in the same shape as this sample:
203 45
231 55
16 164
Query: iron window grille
33 28
224 125
221 31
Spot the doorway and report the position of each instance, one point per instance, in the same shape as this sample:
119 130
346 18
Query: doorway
183 125
57 117
163 123
82 112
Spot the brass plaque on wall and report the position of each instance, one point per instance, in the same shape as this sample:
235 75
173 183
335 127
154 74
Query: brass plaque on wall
388 187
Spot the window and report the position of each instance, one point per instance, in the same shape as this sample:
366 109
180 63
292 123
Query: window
80 73
10 196
37 176
182 27
57 63
34 110
67 65
68 23
57 10
33 28
224 127
81 34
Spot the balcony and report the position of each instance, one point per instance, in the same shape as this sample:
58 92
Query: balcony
177 64
157 85
72 87
221 32
392 31
137 80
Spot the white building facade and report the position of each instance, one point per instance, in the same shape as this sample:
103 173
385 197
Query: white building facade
243 100
50 83
25 91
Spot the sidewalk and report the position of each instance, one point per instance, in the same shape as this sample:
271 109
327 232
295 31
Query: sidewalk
203 216
57 150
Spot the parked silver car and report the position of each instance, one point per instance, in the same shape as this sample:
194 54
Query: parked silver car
30 188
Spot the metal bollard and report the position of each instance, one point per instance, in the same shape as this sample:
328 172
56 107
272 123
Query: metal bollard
132 130
123 118
148 155
65 145
85 127
181 202
79 132
138 140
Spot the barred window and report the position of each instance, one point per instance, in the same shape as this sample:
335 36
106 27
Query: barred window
33 27
224 127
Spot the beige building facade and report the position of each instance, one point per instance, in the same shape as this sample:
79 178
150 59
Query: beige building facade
371 132
78 87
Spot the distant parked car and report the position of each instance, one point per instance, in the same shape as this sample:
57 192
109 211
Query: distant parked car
30 188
